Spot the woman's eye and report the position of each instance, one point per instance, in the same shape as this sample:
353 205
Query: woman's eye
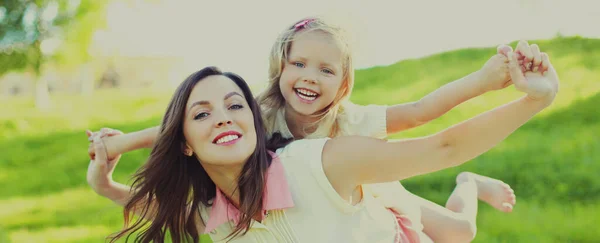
236 107
201 115
299 64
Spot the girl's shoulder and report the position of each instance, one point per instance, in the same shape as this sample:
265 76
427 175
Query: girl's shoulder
303 148
364 120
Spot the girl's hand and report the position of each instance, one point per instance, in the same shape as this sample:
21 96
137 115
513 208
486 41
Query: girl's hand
100 169
104 132
540 81
495 72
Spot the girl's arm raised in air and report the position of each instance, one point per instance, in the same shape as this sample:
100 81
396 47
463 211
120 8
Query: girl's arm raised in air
352 161
492 76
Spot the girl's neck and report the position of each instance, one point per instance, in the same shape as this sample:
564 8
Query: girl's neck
300 125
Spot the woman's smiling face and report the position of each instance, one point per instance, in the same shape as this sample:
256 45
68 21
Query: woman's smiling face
218 124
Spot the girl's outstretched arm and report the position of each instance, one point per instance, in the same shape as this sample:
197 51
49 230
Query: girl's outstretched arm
404 116
492 76
352 161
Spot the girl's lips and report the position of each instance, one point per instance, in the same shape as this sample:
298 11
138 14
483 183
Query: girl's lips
298 88
305 98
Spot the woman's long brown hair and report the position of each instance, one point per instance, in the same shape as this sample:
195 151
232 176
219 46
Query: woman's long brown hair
170 187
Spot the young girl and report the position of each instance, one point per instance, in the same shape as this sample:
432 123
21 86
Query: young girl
311 77
211 165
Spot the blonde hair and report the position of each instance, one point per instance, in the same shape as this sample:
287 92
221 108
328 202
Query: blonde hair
329 122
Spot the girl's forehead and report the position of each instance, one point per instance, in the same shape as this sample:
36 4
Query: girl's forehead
316 37
318 42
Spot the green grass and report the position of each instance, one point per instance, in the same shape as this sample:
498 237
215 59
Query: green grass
552 162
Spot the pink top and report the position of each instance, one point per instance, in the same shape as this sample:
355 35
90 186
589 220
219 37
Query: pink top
276 196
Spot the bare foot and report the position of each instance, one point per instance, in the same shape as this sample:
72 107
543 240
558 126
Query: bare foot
492 191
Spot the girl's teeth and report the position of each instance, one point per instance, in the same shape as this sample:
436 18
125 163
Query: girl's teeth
308 97
306 92
227 138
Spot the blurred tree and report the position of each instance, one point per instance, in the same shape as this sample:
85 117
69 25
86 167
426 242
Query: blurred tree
36 32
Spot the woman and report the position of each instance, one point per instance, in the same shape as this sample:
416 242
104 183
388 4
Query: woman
211 165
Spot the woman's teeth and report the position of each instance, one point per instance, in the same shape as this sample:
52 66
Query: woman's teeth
227 138
306 94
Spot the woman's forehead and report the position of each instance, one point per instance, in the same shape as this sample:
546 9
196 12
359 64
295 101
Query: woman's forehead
213 88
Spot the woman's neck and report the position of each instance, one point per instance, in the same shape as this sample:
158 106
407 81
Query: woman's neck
300 125
226 180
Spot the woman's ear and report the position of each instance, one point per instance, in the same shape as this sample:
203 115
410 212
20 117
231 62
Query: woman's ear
187 150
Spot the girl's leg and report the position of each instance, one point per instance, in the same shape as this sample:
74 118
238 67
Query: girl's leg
457 222
452 224
492 191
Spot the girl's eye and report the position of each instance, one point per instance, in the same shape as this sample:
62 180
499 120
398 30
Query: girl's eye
299 64
201 115
236 107
327 71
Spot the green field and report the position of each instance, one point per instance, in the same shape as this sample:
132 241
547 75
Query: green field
552 162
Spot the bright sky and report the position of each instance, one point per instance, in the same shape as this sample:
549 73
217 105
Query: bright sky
237 35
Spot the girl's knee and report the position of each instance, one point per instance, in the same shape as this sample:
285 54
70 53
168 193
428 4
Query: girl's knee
467 231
